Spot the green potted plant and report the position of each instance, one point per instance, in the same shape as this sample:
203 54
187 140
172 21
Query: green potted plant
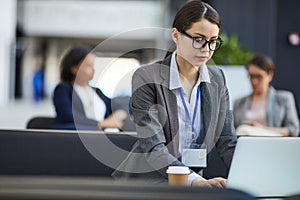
231 52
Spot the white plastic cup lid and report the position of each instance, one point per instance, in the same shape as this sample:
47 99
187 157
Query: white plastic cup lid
178 170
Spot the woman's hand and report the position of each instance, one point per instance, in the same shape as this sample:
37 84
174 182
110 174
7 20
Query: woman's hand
115 120
280 131
217 182
253 123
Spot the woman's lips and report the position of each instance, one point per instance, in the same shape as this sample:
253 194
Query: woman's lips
202 58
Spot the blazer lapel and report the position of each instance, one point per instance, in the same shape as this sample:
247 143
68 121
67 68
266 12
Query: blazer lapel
171 108
170 103
271 107
170 97
206 107
209 96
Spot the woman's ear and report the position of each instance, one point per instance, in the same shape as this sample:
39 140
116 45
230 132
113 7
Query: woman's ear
271 74
175 35
74 69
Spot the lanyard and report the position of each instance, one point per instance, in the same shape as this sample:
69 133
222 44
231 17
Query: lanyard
186 109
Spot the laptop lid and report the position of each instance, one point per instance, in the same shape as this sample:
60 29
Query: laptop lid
266 166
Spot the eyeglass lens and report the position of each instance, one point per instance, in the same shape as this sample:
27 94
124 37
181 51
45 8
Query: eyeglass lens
255 76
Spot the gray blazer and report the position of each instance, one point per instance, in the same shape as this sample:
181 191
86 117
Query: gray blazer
154 110
281 110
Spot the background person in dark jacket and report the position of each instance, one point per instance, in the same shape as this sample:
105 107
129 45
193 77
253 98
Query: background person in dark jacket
79 106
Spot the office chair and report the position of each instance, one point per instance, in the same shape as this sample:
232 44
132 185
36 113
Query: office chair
40 122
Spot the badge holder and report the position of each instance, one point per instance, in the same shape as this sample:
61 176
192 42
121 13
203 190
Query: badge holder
195 155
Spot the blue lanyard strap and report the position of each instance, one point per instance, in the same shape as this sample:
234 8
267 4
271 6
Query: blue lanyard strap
186 109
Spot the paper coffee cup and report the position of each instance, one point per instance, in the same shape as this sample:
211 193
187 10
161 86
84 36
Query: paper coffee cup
178 175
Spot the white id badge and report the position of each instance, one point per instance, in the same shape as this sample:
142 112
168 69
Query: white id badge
194 157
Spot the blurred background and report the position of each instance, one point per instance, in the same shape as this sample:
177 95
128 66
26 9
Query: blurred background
34 34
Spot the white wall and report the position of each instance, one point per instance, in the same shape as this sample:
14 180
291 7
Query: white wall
90 18
237 82
7 38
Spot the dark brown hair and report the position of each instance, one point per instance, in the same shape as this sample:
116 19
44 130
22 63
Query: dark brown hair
73 57
263 62
190 13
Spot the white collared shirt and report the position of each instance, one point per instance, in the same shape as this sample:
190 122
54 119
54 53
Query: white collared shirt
93 105
175 86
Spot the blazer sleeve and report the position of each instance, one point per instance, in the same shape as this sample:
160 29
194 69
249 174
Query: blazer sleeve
148 116
239 110
227 141
235 111
62 99
291 120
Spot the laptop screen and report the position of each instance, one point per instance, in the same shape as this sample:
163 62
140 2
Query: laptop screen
266 166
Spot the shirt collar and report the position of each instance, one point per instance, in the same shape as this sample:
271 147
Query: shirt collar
174 74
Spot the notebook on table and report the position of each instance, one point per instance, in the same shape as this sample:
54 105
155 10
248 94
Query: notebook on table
267 167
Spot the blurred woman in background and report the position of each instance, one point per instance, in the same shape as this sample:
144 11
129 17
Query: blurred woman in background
266 111
79 106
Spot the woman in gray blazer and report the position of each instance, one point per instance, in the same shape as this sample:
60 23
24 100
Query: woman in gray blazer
266 108
181 102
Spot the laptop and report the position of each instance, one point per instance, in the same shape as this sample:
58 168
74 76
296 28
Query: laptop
266 167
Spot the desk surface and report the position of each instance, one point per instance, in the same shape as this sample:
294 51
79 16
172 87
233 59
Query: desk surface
132 133
29 187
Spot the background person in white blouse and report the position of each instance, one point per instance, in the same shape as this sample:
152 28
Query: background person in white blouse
79 106
266 111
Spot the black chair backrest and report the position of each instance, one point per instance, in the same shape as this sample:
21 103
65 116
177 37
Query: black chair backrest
40 122
37 152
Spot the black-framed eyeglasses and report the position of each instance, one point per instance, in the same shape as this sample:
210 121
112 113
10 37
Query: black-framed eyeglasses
200 42
255 76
